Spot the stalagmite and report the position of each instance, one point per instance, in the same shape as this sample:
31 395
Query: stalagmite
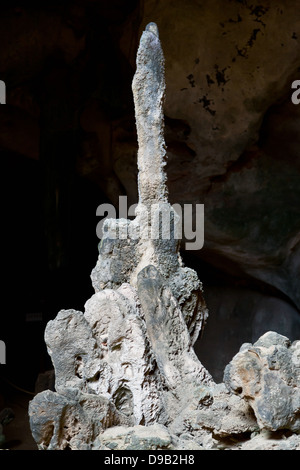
126 374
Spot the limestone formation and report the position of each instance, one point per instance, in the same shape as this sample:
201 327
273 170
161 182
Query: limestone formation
131 351
126 374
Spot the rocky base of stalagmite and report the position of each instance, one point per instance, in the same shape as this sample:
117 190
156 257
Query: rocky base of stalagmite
256 408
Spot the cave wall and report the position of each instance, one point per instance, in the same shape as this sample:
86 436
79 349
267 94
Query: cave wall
68 143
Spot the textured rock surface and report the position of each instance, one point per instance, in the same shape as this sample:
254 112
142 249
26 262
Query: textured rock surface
267 375
6 416
72 420
136 438
128 376
164 322
268 441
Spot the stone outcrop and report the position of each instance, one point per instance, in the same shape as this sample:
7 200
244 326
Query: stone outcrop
126 373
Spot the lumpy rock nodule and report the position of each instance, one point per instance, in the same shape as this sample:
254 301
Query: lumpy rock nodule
126 374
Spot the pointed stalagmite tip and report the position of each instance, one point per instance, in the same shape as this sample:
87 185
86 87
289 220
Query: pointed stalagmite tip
152 27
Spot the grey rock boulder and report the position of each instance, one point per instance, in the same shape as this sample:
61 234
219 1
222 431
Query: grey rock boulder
267 376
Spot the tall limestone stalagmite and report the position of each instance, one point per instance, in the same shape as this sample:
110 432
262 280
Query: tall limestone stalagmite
120 260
